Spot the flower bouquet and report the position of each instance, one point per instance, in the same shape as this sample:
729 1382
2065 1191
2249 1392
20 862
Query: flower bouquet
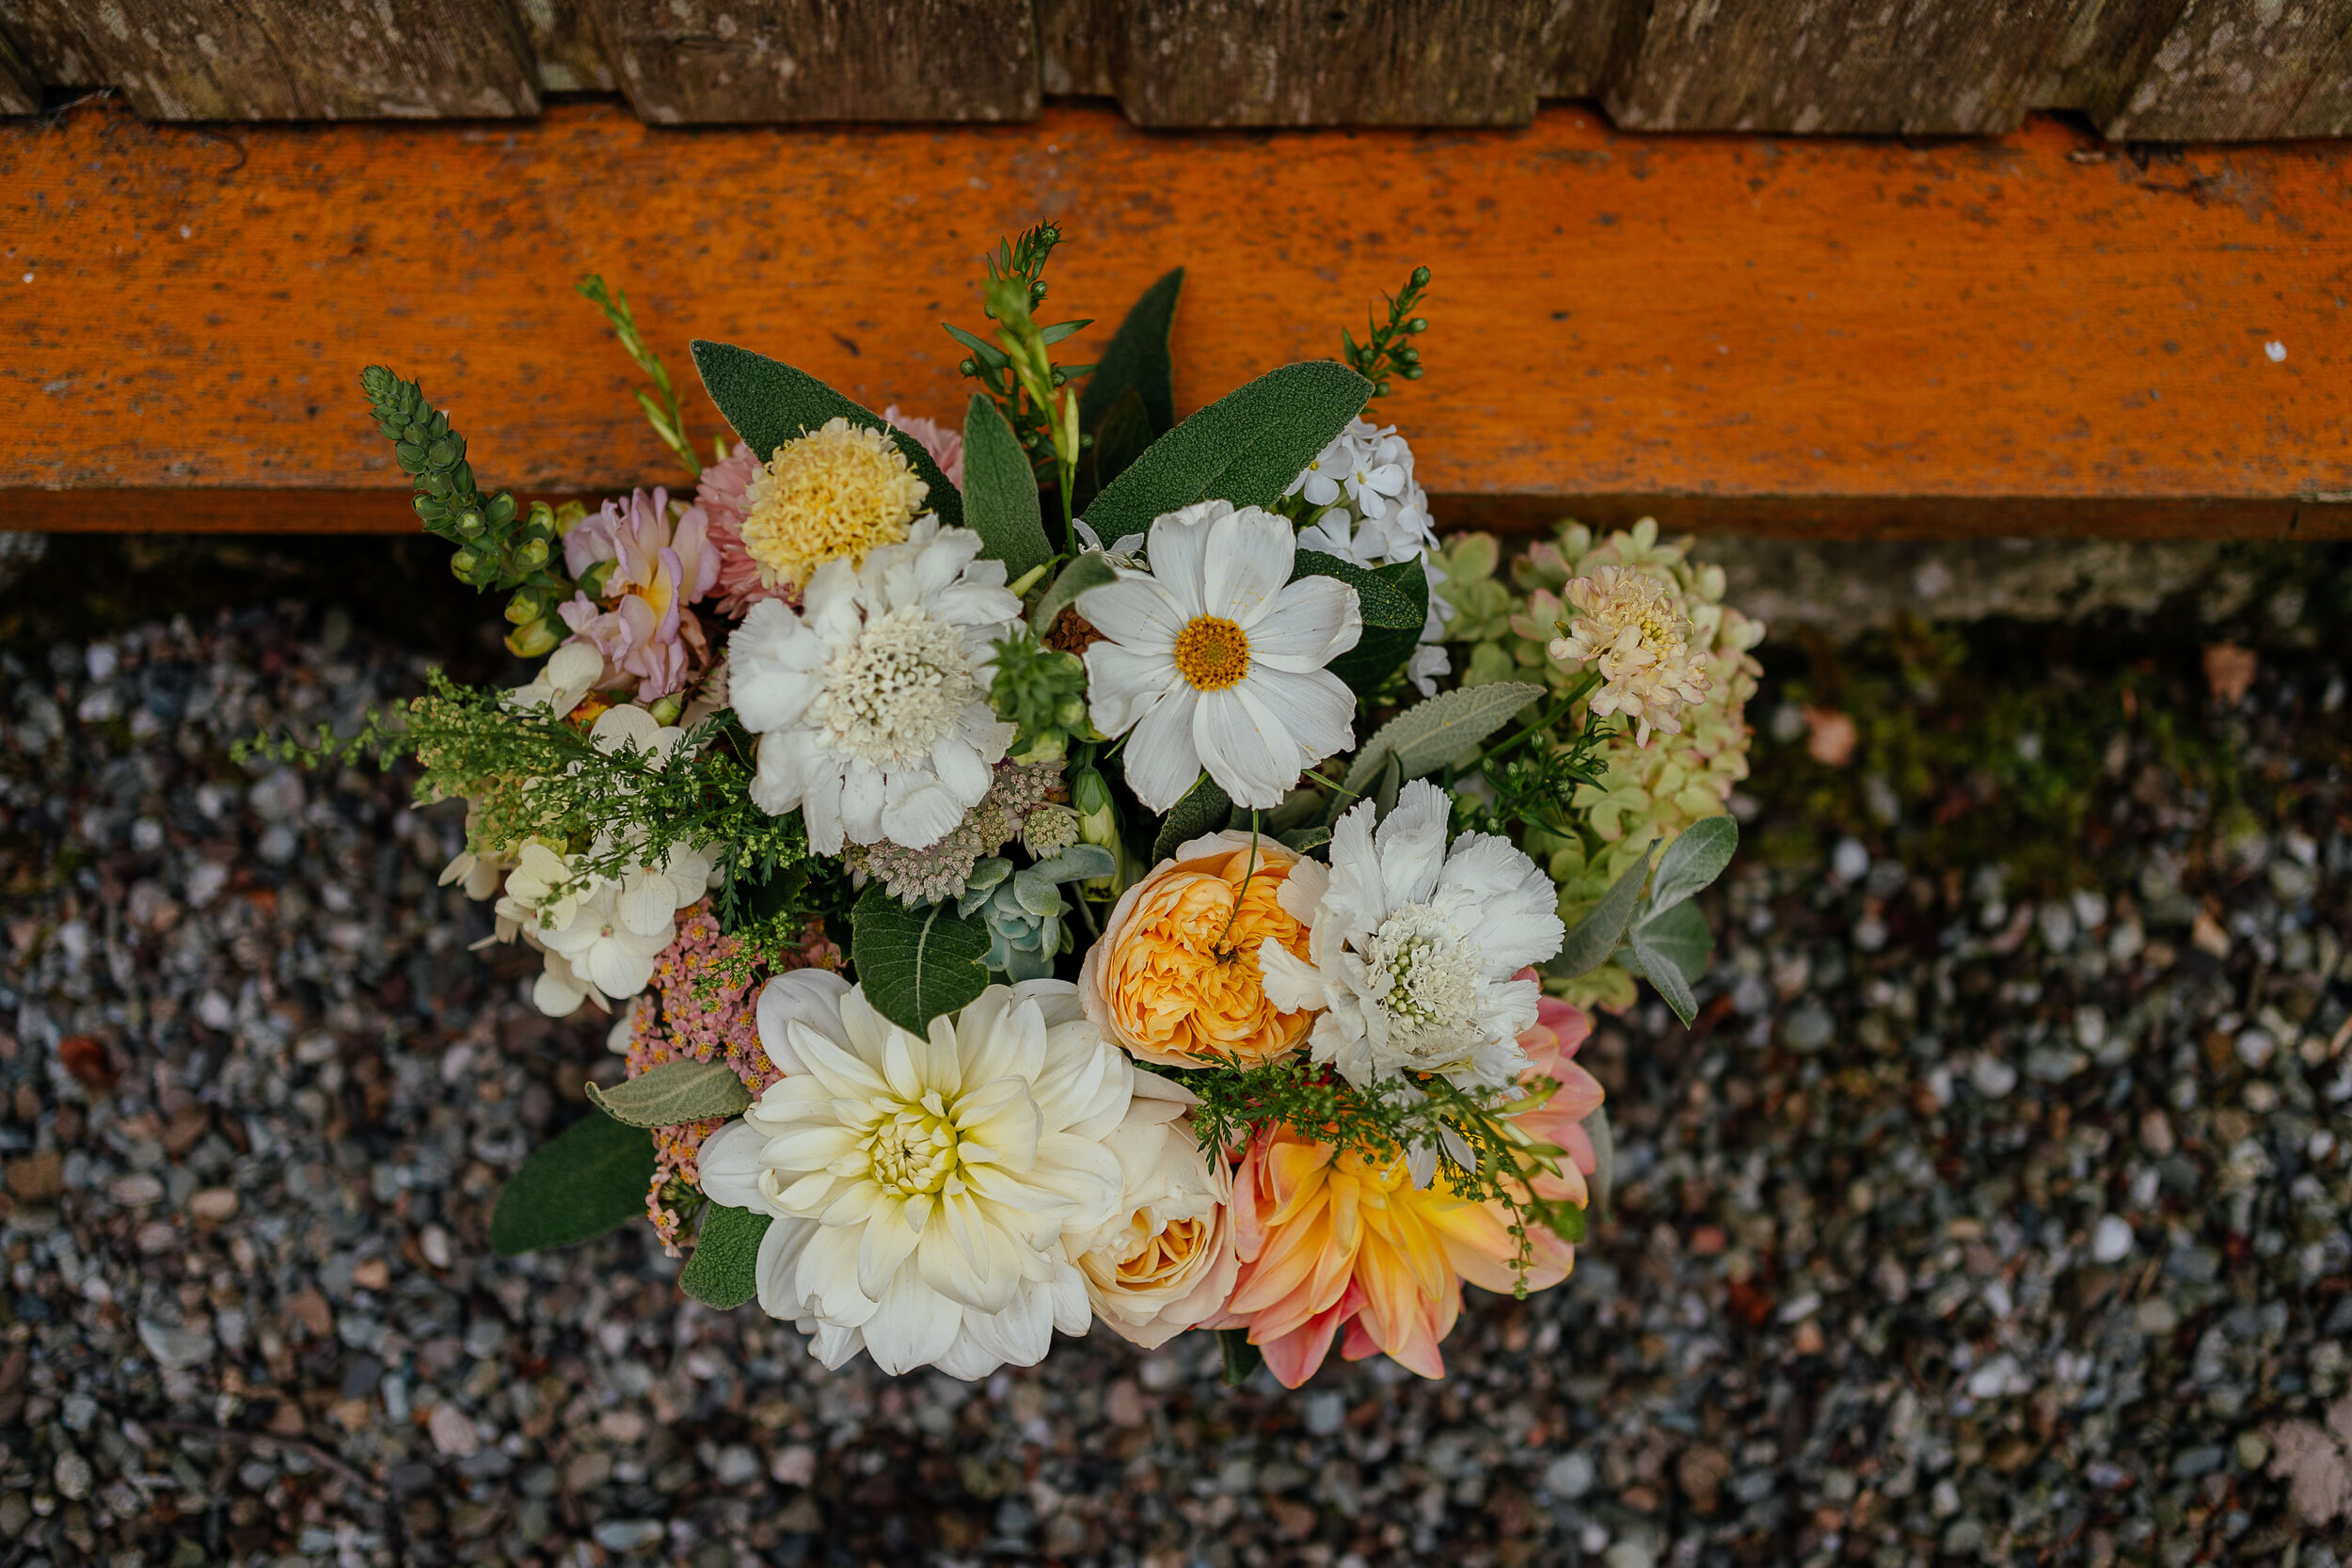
1053 869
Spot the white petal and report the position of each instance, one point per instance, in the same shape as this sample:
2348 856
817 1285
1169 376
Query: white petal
1163 758
914 1326
1137 610
1317 708
1247 560
1290 984
1246 749
728 1163
811 995
1180 542
1314 621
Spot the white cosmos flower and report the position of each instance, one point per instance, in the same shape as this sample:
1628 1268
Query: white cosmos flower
871 701
921 1185
1413 948
1216 658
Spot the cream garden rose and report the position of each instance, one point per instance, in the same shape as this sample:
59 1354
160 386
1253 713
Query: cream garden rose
1166 1263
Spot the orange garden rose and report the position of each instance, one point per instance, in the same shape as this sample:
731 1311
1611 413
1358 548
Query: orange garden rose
1175 977
1332 1240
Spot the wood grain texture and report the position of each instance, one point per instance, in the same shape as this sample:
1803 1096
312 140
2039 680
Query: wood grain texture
1913 67
20 89
566 46
1200 63
48 40
757 61
314 59
1986 329
2242 71
1580 38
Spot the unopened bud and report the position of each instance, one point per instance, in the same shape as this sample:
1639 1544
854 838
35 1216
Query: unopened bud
463 563
536 641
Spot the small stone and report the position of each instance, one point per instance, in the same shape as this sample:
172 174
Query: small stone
1636 1554
737 1466
37 1178
1944 1501
177 1346
2156 1134
1808 1027
587 1470
2251 1450
2192 1463
2156 1316
371 1273
135 1190
1850 862
1992 1077
795 1465
1123 1404
452 1432
74 1476
628 1535
2255 1047
2111 1239
433 1243
1570 1476
213 1205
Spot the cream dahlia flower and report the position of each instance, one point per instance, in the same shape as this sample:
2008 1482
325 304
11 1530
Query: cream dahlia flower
1214 658
870 699
921 1185
1629 624
1165 1263
1412 950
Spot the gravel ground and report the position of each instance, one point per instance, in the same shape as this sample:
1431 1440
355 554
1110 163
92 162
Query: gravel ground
1966 1227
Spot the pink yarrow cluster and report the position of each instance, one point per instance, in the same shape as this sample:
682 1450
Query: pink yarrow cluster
723 495
641 623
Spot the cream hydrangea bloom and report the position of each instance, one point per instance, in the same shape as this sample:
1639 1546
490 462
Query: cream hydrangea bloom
921 1185
1214 658
1165 1263
1631 625
1413 949
871 700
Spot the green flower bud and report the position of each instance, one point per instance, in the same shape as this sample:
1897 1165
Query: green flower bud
463 563
535 640
534 555
665 711
524 608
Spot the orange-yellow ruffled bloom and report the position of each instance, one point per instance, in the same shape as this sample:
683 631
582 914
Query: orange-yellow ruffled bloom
1332 1240
1175 978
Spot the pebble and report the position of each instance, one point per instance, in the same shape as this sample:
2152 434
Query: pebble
452 1432
1570 1476
2110 1239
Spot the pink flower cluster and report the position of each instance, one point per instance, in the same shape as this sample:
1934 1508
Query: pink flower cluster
640 622
723 496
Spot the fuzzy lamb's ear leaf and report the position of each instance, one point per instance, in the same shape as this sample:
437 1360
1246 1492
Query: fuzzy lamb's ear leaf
1138 361
1427 736
1379 593
672 1094
1089 570
1593 939
1203 809
1000 500
581 1184
916 964
1669 956
769 403
724 1271
1603 1180
1245 448
1695 858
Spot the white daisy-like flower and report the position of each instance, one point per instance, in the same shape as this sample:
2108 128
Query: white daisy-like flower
602 947
568 675
920 1186
1631 626
871 700
1214 658
1413 948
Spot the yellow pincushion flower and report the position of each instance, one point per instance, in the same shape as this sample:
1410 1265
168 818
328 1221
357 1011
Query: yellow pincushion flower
832 493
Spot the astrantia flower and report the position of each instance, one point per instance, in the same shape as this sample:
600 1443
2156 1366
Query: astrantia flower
639 624
1174 976
1214 658
1165 1263
921 1186
1011 808
831 495
871 700
1413 950
1629 624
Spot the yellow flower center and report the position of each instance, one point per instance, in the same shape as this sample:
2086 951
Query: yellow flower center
1212 653
1159 1258
914 1147
839 491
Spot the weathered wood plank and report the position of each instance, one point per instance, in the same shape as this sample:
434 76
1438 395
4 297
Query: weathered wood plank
1198 63
20 89
758 61
1579 38
563 41
2000 335
314 59
2241 71
1911 67
48 41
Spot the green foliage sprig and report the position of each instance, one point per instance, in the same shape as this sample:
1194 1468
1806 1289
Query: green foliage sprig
1388 349
1403 1112
663 415
498 546
1041 691
1018 371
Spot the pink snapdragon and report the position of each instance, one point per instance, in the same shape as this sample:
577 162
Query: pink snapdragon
641 627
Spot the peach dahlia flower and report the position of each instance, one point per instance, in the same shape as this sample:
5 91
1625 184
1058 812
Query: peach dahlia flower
1175 978
1331 1240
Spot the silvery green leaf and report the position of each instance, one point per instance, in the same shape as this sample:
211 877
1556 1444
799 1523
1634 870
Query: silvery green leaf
1037 893
1431 734
1089 571
1593 939
1604 1177
671 1094
1077 863
1694 860
1662 973
1678 935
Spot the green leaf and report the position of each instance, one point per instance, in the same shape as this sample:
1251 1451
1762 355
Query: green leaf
1695 859
1089 570
1427 736
916 964
672 1094
581 1184
1384 593
1120 438
1000 499
1304 839
1660 965
1241 1356
1138 361
1593 939
1402 596
1677 933
1604 1177
769 403
1204 809
1245 448
724 1271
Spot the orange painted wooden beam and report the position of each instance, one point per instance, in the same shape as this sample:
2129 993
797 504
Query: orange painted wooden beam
2023 336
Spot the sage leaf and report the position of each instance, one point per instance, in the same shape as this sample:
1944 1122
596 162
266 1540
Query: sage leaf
1427 736
1591 940
1379 593
769 403
671 1094
1203 809
581 1184
1679 934
915 964
1000 497
1245 448
1090 570
724 1271
1137 361
1662 972
1695 859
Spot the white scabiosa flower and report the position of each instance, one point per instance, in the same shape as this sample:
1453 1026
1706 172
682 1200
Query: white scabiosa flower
1412 948
1631 625
921 1185
871 701
1214 658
